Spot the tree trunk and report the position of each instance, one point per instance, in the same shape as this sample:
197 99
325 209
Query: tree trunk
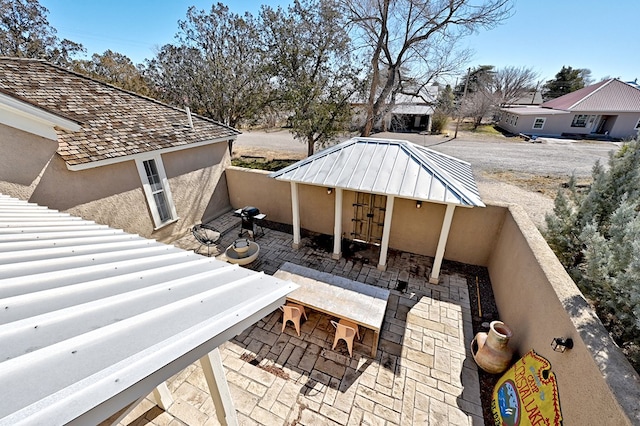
310 146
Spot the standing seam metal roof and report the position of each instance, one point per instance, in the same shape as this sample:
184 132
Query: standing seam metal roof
92 315
390 167
606 96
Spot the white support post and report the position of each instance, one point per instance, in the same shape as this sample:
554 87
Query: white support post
442 243
337 226
295 207
219 388
386 231
163 397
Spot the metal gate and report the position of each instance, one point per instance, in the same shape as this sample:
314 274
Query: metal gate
368 217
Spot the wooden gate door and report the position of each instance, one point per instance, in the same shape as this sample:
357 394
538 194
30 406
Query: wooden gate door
368 217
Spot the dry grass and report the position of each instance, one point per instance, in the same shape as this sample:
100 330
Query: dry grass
545 185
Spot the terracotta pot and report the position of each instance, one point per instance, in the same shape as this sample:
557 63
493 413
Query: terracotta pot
490 350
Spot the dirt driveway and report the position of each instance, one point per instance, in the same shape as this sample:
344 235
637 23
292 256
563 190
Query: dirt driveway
507 169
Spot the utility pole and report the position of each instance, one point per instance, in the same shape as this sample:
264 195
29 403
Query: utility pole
464 95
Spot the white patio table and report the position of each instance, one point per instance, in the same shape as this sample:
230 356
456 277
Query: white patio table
361 303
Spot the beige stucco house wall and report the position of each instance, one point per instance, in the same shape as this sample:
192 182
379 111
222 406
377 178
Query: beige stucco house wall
557 123
78 145
112 194
31 152
609 108
534 294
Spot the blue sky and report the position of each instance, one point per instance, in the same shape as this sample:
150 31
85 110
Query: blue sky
542 34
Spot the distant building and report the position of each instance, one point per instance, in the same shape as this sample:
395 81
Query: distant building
608 109
410 113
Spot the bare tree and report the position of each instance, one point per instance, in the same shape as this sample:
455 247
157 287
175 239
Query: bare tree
421 36
511 83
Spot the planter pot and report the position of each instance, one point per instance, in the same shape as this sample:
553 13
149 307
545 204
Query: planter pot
490 350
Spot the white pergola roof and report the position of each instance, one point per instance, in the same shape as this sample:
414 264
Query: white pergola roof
390 167
92 318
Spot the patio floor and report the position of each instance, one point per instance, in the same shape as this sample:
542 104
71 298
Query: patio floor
423 372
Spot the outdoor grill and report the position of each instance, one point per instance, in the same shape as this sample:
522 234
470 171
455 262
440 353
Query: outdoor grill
248 216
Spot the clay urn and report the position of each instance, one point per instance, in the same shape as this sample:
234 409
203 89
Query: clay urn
490 350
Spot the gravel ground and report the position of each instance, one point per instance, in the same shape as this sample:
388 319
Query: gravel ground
507 169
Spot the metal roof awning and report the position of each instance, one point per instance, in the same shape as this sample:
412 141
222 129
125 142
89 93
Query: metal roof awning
93 318
389 167
393 168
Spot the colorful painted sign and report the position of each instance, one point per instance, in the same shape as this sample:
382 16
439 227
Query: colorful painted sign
527 394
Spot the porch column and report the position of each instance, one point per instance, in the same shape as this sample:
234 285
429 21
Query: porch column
163 397
219 388
442 242
386 231
295 207
337 226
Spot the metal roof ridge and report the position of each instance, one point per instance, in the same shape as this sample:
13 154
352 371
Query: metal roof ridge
584 98
459 189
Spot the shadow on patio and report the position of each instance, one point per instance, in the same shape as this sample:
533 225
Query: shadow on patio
423 372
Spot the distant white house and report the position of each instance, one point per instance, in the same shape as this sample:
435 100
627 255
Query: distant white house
410 113
610 108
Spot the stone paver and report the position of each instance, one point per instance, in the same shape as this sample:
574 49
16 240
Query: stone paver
421 374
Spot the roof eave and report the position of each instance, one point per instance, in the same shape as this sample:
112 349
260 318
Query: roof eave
132 157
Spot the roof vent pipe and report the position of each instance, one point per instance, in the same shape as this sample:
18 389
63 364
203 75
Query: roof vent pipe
189 116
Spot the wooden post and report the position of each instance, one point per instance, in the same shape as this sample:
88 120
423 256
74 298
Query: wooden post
337 226
442 243
386 231
162 396
219 388
295 207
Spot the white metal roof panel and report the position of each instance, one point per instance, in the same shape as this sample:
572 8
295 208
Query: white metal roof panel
389 167
93 318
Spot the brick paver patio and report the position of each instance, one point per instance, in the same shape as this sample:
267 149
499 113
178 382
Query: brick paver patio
423 373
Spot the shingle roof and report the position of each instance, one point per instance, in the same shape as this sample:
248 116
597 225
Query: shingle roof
606 96
389 167
115 123
93 318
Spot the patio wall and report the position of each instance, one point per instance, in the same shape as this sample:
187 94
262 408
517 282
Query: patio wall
539 301
534 294
413 230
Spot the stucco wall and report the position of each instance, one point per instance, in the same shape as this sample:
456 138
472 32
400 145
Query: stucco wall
539 301
557 124
23 157
113 194
535 296
413 230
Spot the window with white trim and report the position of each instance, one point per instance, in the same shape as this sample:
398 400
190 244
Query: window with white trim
538 123
515 120
156 189
579 120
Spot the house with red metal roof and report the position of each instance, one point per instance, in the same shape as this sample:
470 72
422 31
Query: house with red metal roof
78 145
608 109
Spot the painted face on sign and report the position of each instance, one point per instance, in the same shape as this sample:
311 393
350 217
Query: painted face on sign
509 404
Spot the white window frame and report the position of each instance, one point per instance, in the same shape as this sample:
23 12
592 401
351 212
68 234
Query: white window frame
535 122
580 120
149 191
